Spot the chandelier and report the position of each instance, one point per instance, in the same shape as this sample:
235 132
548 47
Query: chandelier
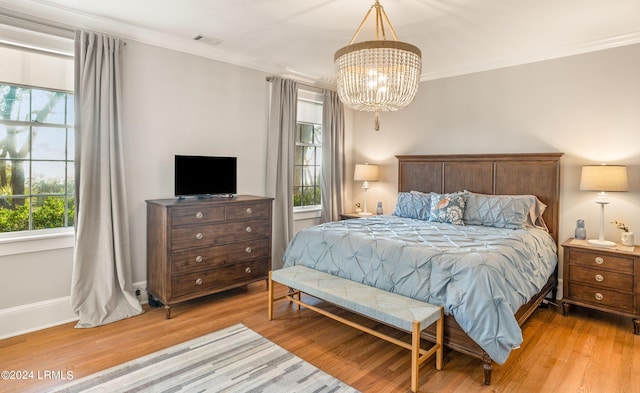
380 75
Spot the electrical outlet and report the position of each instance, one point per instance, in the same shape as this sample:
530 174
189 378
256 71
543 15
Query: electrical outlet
138 292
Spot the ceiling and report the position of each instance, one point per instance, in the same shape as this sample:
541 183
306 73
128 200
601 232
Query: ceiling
298 38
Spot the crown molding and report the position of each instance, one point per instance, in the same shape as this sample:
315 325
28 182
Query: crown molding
555 53
41 10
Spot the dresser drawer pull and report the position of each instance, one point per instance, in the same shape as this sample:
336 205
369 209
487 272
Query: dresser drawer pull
199 258
599 278
199 281
599 260
247 270
248 229
598 296
249 210
199 235
199 215
248 250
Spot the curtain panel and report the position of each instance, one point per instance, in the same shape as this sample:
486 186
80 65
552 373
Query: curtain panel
280 157
101 285
333 156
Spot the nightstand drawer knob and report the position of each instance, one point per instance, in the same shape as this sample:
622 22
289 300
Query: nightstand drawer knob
247 270
249 210
598 296
199 258
199 215
199 281
599 260
199 235
248 229
248 250
599 278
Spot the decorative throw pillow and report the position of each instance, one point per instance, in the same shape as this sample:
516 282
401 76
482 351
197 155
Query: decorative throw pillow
447 208
501 211
413 205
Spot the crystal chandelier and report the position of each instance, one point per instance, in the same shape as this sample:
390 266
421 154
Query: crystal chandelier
380 75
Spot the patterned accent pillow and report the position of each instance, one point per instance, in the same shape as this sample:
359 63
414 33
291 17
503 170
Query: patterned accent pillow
413 205
499 211
448 208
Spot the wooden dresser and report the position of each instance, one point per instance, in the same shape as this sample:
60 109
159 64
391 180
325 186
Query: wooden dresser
196 247
604 279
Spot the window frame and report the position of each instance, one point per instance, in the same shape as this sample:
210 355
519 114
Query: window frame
68 194
309 211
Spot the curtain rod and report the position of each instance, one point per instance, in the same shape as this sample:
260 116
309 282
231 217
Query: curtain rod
320 89
30 23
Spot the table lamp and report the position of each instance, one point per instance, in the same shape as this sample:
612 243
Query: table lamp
365 173
603 178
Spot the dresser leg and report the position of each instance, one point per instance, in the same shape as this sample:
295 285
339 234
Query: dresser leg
636 326
565 309
167 311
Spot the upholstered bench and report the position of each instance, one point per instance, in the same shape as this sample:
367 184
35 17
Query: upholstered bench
399 311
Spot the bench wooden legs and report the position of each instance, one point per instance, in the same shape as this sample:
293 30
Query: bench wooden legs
418 355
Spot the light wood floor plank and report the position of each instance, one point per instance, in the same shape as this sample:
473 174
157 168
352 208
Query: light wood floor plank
588 351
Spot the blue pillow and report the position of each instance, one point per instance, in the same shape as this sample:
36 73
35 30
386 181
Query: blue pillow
447 208
413 205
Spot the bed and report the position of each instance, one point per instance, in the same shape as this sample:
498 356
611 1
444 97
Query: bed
489 274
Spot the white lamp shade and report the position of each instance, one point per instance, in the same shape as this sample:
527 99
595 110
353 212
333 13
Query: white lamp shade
604 178
366 172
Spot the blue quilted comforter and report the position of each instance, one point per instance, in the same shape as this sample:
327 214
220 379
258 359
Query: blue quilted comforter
481 275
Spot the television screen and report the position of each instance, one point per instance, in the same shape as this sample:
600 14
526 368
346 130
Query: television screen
202 175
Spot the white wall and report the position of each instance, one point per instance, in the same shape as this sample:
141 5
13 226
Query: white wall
586 106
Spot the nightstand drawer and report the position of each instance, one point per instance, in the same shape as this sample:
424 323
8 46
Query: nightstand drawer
602 278
600 260
601 297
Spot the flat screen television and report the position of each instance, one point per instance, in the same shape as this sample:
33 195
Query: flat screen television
204 176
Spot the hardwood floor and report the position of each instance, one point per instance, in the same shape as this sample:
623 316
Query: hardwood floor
588 351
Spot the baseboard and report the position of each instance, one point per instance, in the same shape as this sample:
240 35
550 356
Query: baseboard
31 317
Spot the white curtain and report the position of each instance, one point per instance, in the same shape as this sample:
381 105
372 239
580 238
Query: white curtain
280 155
101 287
333 156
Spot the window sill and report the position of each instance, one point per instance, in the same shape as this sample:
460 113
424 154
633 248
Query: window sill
45 240
306 213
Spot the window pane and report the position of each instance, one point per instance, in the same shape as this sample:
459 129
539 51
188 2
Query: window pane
299 152
13 177
297 196
48 212
71 109
16 140
49 143
309 155
297 175
48 177
306 133
14 214
14 103
308 176
48 106
71 146
71 179
317 134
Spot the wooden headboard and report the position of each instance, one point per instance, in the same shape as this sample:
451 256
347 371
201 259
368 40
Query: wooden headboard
512 174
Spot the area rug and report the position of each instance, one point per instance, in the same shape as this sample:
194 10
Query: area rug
235 359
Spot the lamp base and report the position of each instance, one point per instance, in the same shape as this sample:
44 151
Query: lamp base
365 213
601 243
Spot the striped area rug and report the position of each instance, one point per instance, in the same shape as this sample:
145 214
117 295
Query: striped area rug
235 359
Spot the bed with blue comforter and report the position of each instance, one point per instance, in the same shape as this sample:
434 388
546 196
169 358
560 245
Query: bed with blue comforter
481 275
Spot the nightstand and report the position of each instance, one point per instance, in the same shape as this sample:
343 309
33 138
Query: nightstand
348 216
605 279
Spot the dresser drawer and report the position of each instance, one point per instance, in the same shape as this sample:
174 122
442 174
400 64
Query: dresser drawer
205 258
596 259
197 215
601 297
602 278
222 277
207 235
248 211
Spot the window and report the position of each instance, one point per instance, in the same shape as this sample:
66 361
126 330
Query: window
36 158
36 131
308 151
